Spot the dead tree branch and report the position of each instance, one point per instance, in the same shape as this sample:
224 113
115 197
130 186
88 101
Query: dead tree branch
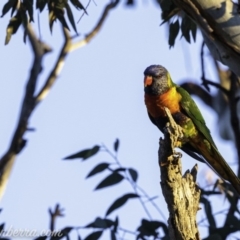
28 104
96 29
180 192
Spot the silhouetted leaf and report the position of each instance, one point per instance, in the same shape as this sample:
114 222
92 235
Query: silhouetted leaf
120 202
208 211
166 5
188 26
149 228
110 180
103 223
78 5
133 173
40 4
29 7
169 9
116 145
185 29
99 168
51 18
94 235
59 4
130 3
14 8
10 4
13 26
2 227
60 16
70 17
56 11
194 30
173 32
84 154
24 18
41 238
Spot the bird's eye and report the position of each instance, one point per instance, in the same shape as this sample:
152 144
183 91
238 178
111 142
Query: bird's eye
159 76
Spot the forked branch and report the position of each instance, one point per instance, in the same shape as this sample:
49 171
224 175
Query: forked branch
31 98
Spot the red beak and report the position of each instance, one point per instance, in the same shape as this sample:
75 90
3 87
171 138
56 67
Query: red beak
148 81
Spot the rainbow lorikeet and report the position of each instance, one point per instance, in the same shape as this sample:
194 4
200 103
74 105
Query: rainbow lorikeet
160 92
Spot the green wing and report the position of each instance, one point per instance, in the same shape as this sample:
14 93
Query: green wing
211 155
192 111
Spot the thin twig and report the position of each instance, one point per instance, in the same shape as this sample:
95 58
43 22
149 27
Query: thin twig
206 82
129 180
214 214
152 202
57 68
217 85
84 11
135 185
70 46
57 212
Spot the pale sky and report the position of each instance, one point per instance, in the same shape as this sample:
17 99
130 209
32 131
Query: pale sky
97 98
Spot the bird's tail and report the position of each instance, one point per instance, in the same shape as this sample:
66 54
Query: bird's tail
215 160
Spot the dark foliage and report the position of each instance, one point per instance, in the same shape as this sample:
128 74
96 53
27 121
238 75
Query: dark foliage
23 12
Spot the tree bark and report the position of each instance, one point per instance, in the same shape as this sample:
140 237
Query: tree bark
180 192
219 23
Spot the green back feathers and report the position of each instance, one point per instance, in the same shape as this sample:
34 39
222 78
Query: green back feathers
192 111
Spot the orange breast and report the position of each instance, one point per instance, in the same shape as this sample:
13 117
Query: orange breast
155 104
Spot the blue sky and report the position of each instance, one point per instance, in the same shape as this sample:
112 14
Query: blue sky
97 98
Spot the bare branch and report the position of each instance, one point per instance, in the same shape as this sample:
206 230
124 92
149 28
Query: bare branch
97 28
70 46
28 104
217 85
180 192
54 214
57 68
